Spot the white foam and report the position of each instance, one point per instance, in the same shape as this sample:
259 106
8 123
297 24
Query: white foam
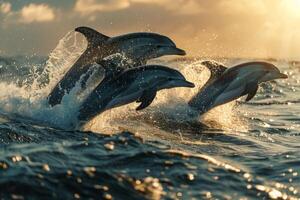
31 101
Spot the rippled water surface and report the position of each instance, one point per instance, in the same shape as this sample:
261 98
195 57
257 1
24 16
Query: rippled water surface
237 151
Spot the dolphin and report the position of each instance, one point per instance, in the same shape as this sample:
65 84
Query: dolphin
226 85
139 84
137 47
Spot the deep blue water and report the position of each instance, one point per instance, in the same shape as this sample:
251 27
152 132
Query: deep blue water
241 151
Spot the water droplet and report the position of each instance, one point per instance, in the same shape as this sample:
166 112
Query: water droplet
208 195
40 176
90 171
16 197
247 175
291 189
151 187
107 196
179 194
275 194
69 172
79 180
3 165
190 177
101 187
110 146
295 174
16 158
46 167
76 196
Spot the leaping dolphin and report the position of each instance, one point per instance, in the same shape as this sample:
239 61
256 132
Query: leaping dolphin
226 85
137 47
136 84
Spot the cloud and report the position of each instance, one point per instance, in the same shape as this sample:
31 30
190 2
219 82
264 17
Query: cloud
185 7
257 7
5 7
91 6
36 13
189 8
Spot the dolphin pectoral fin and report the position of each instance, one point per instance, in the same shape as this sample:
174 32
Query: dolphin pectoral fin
252 92
146 99
92 35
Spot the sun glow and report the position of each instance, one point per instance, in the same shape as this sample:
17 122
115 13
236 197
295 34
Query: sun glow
292 7
296 3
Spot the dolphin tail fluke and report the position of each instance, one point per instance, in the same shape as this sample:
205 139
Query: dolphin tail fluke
252 92
92 35
146 99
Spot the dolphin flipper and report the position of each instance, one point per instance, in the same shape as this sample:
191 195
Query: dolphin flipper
92 36
252 92
146 99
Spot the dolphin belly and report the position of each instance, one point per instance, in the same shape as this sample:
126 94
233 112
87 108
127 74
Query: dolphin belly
123 100
216 95
228 95
96 105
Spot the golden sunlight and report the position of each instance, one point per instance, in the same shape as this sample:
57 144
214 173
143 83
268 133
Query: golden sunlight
292 7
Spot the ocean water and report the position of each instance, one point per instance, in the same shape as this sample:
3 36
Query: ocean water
236 151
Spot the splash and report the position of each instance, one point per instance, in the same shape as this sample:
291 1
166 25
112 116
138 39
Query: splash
68 50
170 112
31 101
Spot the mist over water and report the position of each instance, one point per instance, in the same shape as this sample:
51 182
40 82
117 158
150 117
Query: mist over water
239 150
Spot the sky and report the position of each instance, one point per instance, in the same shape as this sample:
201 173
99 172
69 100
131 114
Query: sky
204 28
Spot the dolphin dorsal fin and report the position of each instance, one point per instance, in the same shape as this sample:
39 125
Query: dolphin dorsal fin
92 36
216 69
252 92
146 99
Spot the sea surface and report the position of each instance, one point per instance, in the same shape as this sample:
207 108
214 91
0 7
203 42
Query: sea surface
236 151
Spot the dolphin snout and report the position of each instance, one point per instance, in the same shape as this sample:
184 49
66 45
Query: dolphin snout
179 52
171 50
80 29
187 84
283 76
